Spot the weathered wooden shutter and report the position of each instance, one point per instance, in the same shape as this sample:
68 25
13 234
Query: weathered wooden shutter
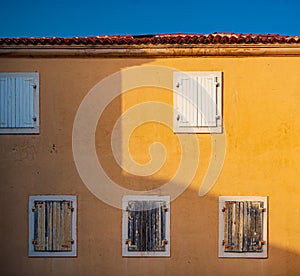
17 102
196 99
52 226
243 222
146 226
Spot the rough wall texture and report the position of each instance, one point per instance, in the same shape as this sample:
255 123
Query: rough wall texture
260 110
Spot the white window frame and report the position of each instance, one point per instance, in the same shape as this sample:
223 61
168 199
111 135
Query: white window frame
34 76
31 251
264 253
125 251
193 105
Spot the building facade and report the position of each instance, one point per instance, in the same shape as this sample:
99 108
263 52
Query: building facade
185 122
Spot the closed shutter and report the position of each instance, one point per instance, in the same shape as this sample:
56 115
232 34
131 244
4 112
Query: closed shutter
197 102
146 226
52 226
187 102
207 101
243 222
17 103
5 106
24 93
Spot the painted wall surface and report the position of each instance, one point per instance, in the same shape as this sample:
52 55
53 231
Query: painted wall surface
261 142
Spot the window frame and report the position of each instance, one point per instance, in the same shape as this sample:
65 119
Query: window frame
264 253
178 96
36 87
125 251
31 251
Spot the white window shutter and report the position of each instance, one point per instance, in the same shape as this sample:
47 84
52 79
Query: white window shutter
198 102
5 112
19 103
187 102
24 94
207 101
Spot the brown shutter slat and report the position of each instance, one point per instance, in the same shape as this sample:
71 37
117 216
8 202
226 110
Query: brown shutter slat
241 226
56 228
65 238
245 228
48 226
39 227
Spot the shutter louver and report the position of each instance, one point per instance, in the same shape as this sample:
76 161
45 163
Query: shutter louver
52 226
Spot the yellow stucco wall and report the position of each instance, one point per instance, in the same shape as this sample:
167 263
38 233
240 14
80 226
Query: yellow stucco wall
260 112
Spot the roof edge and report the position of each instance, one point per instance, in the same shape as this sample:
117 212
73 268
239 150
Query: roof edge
180 38
152 51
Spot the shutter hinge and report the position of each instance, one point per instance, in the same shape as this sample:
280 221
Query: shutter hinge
177 84
260 244
70 207
163 243
164 207
129 244
217 83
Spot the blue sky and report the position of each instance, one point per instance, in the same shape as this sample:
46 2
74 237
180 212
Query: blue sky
66 18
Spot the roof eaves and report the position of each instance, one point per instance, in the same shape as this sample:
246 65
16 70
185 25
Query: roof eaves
161 39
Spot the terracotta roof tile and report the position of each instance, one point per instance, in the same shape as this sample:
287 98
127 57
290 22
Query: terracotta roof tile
176 39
